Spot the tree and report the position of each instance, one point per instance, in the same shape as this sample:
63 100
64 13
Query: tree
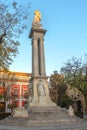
83 84
58 87
6 78
72 71
13 18
65 101
75 72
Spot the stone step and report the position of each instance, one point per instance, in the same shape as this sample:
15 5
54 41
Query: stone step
51 115
28 122
44 116
29 126
32 116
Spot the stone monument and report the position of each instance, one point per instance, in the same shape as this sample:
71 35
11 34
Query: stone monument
43 112
20 111
42 109
39 78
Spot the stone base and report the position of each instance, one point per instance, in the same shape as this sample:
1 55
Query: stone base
42 101
20 112
50 115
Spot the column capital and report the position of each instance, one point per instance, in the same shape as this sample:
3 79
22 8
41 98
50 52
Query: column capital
41 38
38 38
37 30
35 38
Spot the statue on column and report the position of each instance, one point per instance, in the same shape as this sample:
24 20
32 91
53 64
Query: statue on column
37 17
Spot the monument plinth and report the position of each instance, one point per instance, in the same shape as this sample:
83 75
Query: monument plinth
39 78
20 112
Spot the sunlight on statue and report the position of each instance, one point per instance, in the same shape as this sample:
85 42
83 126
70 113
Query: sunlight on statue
37 16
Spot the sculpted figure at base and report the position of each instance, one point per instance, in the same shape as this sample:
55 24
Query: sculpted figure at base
71 111
41 89
37 16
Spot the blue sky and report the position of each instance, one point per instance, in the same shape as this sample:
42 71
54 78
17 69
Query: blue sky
66 24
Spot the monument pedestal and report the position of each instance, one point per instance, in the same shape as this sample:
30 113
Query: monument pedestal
43 101
41 92
20 112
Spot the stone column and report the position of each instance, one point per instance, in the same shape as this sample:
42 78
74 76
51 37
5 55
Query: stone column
38 67
42 58
35 71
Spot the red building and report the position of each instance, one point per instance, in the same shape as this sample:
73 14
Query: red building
14 86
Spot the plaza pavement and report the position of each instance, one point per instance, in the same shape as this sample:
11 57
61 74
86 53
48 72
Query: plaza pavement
51 127
4 125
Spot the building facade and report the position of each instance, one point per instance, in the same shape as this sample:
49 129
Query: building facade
14 87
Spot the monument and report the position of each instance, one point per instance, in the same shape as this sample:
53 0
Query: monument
43 112
39 77
42 109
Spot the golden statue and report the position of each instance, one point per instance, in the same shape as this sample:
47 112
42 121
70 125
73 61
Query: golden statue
37 16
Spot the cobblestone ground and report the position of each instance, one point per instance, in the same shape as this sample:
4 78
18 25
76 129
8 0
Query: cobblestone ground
51 127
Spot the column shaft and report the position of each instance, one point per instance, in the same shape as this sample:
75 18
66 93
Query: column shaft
35 71
42 59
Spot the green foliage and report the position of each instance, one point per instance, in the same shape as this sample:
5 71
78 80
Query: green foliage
1 96
71 70
75 72
79 114
56 80
13 21
4 115
10 105
65 101
57 86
